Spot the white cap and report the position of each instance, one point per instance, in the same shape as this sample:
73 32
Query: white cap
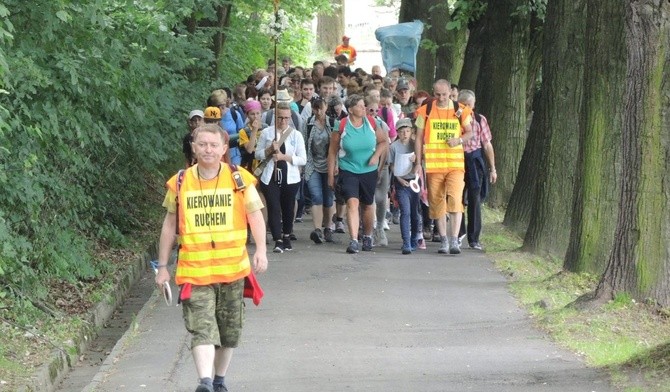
196 113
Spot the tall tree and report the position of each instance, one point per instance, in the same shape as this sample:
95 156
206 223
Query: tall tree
474 51
501 88
330 27
596 195
561 98
440 54
214 17
521 202
639 263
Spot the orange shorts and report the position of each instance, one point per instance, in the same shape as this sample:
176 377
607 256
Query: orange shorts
445 192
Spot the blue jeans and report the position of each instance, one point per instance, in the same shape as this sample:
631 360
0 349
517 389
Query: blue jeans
408 200
319 191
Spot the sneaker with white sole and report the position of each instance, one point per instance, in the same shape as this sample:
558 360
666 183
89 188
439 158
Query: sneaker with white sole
279 247
476 246
353 247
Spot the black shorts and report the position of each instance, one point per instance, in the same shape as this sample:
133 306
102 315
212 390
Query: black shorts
359 186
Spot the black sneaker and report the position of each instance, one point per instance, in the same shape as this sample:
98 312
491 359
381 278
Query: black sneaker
220 388
204 388
292 237
316 236
353 247
367 243
287 243
279 247
328 234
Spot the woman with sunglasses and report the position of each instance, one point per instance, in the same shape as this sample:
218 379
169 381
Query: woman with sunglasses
280 179
317 134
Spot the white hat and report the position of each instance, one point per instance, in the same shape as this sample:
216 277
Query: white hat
196 113
283 96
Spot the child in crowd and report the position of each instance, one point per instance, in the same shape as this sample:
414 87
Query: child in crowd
408 199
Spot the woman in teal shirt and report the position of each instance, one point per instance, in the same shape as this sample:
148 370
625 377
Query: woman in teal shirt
354 155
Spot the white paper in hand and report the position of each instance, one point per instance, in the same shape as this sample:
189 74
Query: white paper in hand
403 164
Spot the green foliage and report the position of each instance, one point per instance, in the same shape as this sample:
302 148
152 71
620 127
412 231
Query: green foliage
536 7
93 107
464 12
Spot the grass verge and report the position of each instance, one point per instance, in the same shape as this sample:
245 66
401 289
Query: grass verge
629 339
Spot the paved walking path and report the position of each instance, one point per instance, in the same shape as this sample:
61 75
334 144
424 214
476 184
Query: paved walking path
375 321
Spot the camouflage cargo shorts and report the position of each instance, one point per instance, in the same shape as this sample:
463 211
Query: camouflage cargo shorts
214 314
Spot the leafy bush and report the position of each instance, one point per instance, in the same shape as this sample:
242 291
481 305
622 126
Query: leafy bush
93 97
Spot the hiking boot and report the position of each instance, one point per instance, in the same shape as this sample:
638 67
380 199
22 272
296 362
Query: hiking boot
279 247
367 243
328 234
316 236
339 227
476 245
454 249
286 241
444 246
353 247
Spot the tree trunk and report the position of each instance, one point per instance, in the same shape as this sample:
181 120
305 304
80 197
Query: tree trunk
440 55
217 26
501 89
473 55
425 58
596 195
639 262
330 27
517 213
561 98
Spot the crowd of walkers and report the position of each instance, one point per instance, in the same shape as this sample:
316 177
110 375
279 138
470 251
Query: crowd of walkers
342 145
357 150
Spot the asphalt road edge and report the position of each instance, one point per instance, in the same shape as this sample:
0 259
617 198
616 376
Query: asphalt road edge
47 377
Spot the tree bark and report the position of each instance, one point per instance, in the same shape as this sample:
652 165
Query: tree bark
596 195
501 89
561 98
517 213
639 262
441 52
473 55
330 27
425 59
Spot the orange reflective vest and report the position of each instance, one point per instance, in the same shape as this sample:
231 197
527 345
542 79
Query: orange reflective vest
212 228
440 125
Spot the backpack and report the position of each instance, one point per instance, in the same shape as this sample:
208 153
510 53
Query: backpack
371 120
429 103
